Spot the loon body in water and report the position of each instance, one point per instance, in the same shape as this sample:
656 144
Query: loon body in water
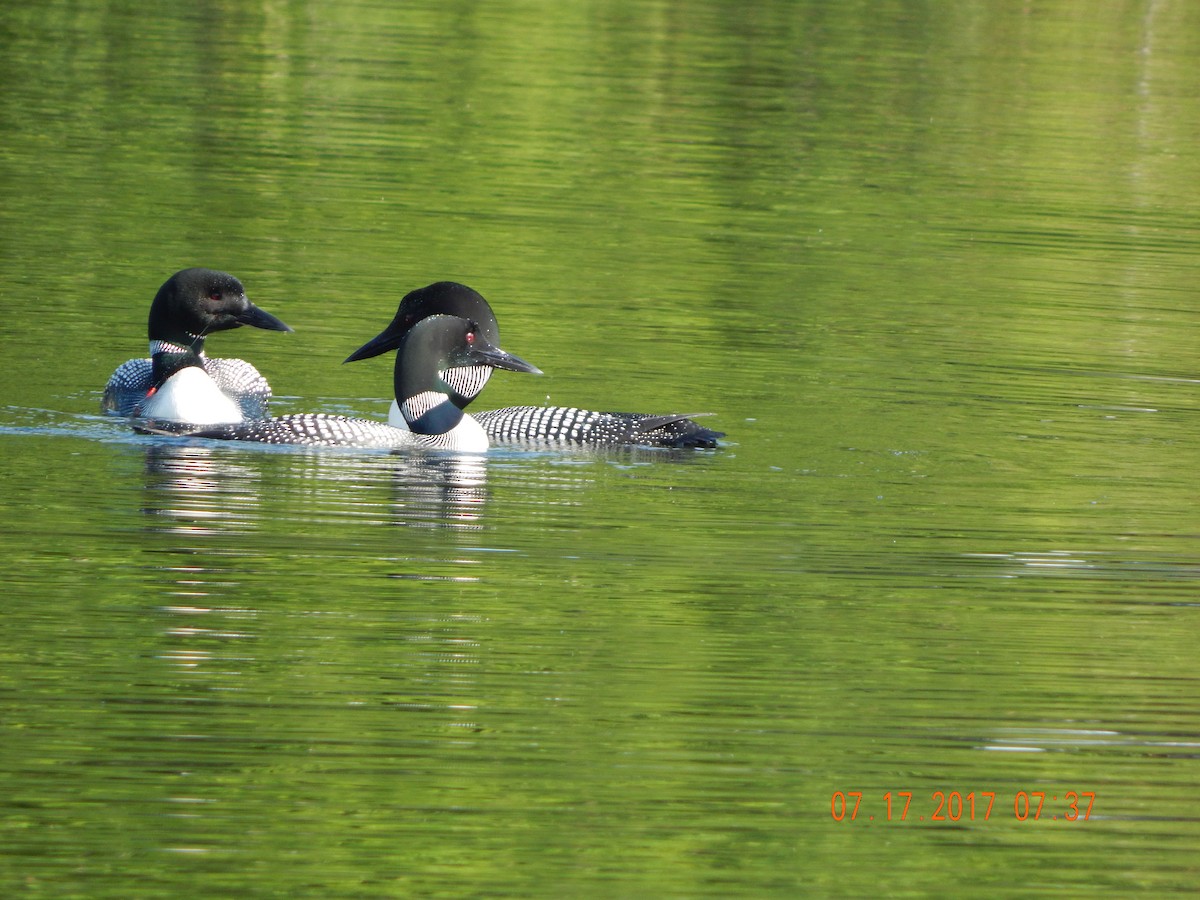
526 425
192 304
431 349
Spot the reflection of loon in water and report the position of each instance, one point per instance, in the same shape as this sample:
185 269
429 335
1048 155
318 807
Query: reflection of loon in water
209 508
192 493
201 489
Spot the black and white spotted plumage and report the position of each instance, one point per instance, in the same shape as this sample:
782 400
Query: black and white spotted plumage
312 429
557 426
324 430
189 306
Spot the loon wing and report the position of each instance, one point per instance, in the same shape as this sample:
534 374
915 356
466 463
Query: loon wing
309 429
569 426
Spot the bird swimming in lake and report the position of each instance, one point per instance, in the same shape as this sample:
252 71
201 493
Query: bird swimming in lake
526 425
189 306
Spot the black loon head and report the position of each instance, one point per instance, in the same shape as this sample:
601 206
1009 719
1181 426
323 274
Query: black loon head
429 351
195 302
443 298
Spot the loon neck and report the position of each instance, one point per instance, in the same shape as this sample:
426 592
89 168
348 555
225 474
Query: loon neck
465 425
426 401
158 347
466 383
438 353
431 412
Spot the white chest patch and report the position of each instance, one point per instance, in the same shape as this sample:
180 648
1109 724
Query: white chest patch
190 395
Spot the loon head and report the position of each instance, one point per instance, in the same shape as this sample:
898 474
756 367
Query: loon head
195 302
444 298
429 353
182 391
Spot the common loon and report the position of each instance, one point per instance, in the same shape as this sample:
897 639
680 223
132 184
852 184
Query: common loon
192 304
431 349
536 425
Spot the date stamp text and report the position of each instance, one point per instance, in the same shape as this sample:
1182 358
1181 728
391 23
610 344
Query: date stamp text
957 806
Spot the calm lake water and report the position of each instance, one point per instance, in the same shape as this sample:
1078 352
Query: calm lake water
933 268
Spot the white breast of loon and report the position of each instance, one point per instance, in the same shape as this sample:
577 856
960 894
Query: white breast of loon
396 417
191 396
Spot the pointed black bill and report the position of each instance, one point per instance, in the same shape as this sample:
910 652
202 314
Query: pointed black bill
381 343
487 355
260 318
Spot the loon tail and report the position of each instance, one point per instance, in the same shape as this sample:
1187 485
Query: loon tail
676 431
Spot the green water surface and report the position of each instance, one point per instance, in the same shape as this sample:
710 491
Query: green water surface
932 267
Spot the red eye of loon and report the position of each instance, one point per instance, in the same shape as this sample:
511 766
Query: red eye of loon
470 337
215 295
